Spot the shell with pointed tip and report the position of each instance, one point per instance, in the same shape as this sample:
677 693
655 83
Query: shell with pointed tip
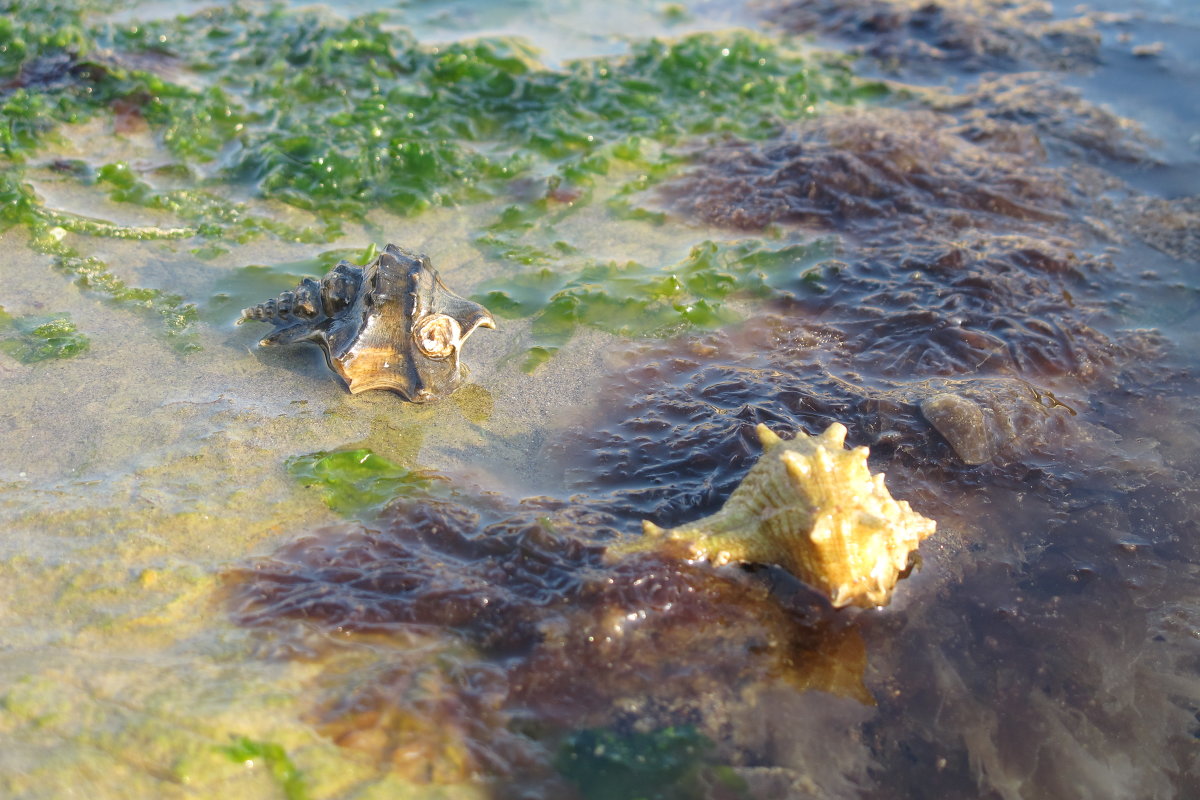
391 324
814 508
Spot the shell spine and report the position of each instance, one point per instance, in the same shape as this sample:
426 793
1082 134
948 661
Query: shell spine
813 507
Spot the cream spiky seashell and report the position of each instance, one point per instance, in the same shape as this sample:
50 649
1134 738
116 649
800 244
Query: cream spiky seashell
814 508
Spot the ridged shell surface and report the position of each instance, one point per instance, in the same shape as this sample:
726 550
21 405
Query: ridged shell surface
813 507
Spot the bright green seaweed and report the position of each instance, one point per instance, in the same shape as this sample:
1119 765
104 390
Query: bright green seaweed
356 482
633 300
363 117
275 758
343 116
20 206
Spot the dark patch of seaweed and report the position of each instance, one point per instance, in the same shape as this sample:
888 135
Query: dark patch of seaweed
972 34
878 170
560 636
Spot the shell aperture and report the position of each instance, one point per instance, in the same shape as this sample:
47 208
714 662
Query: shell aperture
391 324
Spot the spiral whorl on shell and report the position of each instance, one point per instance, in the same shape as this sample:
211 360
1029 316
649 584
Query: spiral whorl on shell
814 508
311 300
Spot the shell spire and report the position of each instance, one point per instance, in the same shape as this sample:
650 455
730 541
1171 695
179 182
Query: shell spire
813 507
308 303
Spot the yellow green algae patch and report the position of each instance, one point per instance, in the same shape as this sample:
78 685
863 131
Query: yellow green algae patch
47 231
121 674
123 501
39 338
248 751
356 481
635 301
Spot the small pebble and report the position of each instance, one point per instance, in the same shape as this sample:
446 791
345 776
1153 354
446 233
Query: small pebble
961 422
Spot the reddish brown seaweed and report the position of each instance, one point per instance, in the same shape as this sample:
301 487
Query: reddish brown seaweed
883 169
565 641
975 34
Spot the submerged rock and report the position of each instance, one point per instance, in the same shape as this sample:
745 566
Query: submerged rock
986 420
961 421
391 324
813 507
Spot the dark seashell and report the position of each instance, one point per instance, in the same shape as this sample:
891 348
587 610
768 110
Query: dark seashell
391 324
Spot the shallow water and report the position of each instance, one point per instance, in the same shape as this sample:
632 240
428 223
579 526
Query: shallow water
189 612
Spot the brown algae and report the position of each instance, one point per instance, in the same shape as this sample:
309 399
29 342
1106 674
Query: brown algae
567 637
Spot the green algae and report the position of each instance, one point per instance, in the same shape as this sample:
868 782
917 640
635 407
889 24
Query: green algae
341 116
212 218
356 482
249 751
635 301
19 205
176 315
37 42
263 133
40 338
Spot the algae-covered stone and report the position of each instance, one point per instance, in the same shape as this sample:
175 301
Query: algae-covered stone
961 421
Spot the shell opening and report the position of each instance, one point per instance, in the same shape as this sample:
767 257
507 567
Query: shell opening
437 336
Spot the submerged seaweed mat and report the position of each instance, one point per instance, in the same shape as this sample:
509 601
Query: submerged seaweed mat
560 641
969 274
1035 549
1055 661
1043 652
563 641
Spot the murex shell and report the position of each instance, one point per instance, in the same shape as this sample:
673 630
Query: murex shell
391 324
814 508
